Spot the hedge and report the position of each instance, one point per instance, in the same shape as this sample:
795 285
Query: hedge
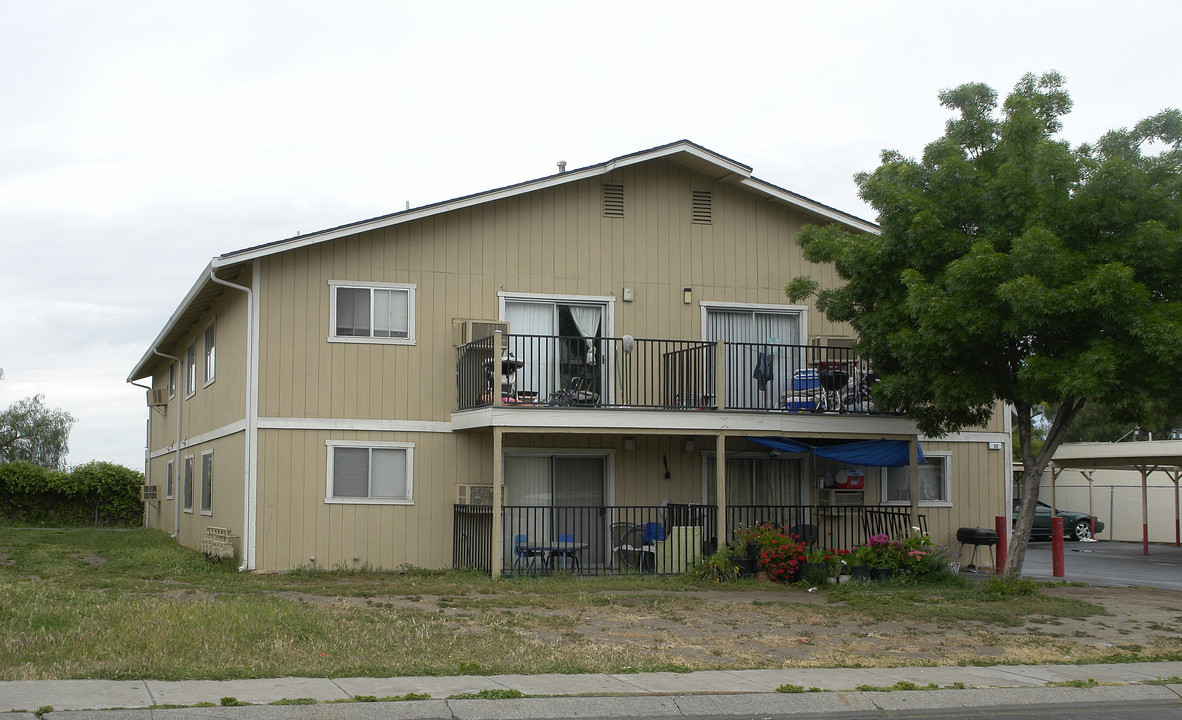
98 493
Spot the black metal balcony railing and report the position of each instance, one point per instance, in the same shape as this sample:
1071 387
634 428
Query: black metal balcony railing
670 539
555 371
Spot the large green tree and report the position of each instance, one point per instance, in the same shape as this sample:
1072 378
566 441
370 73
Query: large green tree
32 432
1013 268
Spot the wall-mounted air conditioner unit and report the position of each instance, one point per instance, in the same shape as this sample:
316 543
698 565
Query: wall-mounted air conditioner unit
466 331
148 493
834 341
474 495
157 397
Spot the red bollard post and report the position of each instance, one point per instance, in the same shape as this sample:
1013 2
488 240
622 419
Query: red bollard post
1057 546
999 524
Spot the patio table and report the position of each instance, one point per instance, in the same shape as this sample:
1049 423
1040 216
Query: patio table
554 550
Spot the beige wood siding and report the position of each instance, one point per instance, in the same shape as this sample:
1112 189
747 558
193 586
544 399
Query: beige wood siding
227 509
553 241
223 401
297 525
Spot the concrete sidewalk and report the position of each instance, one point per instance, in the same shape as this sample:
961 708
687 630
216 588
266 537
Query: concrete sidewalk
750 693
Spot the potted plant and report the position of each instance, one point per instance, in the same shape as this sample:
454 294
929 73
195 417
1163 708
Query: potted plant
816 560
859 562
884 556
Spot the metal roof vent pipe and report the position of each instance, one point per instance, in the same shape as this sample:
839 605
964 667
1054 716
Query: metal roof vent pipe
561 166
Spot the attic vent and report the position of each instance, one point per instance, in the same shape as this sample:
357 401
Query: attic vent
613 200
703 209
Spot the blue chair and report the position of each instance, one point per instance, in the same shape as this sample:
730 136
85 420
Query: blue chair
570 558
523 558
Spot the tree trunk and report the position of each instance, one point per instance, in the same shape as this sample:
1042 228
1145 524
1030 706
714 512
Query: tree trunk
1032 470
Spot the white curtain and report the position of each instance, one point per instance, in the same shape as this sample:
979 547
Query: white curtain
527 483
538 354
587 321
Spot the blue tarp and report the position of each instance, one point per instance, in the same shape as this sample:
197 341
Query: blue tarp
878 453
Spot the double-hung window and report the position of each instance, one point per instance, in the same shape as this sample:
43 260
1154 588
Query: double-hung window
207 482
169 475
171 380
370 472
209 353
373 312
934 485
191 370
187 484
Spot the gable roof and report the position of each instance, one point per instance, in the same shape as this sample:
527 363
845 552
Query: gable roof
682 152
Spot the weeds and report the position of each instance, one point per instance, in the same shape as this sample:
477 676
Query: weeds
491 694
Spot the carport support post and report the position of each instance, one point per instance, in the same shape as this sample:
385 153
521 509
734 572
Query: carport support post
1057 546
999 526
1176 475
1144 508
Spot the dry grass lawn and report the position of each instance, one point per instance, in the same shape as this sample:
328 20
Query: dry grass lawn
104 604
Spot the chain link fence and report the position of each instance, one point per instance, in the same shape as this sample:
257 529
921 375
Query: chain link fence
1119 508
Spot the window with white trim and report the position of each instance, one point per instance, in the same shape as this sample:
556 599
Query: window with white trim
372 312
191 370
209 352
207 482
169 475
187 484
934 482
370 472
171 380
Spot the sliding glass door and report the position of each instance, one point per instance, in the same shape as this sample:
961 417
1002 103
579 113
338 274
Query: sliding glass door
758 370
554 496
564 345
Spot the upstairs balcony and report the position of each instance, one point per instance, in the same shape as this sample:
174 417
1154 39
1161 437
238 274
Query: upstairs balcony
541 371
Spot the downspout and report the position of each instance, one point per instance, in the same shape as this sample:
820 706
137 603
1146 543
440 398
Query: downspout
248 439
147 461
176 452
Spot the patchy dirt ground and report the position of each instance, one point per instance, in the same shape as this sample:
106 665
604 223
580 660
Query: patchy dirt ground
705 629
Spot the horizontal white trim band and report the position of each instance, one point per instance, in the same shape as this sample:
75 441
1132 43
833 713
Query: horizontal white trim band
225 430
293 423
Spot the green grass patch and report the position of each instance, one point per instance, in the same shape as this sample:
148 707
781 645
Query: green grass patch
84 603
1089 683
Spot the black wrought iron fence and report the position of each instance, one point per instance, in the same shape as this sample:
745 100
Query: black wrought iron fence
563 371
661 539
607 540
472 537
840 527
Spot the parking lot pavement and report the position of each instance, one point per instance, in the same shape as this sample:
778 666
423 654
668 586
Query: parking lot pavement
1109 563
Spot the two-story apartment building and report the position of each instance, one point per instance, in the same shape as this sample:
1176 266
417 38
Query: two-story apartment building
498 378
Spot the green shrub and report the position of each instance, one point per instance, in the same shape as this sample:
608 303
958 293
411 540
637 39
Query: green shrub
97 493
719 567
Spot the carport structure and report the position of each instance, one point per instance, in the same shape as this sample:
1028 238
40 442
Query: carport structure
1146 457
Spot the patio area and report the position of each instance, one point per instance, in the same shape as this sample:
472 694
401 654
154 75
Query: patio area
659 539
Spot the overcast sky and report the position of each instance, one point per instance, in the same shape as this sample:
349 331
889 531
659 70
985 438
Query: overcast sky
139 139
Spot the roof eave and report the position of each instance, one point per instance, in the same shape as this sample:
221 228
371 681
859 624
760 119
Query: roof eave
140 369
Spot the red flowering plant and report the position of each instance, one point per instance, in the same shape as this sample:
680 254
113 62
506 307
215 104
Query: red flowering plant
780 555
